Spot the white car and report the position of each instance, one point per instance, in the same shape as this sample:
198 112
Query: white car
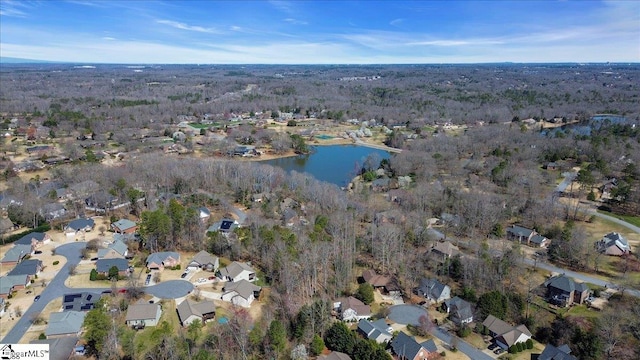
201 280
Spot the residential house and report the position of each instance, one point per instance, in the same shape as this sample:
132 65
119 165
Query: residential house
65 323
393 216
14 255
6 225
34 239
143 314
102 201
31 267
613 244
53 211
237 271
552 166
351 309
103 266
381 184
383 283
124 226
405 347
334 355
526 236
290 217
83 301
11 283
7 200
189 311
79 226
60 348
378 330
205 261
241 293
204 214
561 352
443 250
115 250
564 291
433 290
504 334
224 226
161 260
459 310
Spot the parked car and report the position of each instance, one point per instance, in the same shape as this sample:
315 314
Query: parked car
146 282
107 291
37 252
212 277
36 298
498 351
122 291
492 346
184 275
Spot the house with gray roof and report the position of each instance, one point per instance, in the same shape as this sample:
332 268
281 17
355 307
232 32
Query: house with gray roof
351 309
53 211
504 334
115 250
15 254
78 226
65 323
443 250
205 261
564 291
83 301
430 346
143 315
34 239
29 267
124 226
60 348
161 260
204 214
11 283
237 271
378 330
224 226
613 244
6 225
190 311
241 293
526 236
334 355
406 347
103 266
433 290
562 352
459 310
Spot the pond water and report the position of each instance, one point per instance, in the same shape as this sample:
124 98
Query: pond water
337 164
595 123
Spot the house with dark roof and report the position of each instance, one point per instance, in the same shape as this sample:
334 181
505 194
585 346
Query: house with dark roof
561 352
504 334
526 236
83 301
224 226
241 293
205 261
378 331
143 314
564 291
383 283
459 310
60 348
189 311
103 266
15 254
443 250
405 347
613 244
237 271
65 323
433 290
334 355
34 239
29 267
351 309
124 226
161 260
78 226
115 250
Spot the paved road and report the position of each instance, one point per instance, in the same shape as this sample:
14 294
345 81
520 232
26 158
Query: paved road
463 346
568 179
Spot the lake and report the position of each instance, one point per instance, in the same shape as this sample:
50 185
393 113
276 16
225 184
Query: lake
595 123
337 164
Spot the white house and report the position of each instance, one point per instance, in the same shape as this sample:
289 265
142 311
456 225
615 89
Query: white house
143 314
351 309
237 271
241 293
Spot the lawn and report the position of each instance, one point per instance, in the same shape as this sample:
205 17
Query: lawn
147 338
583 311
199 126
633 220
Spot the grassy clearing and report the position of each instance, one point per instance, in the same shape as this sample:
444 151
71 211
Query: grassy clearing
169 323
633 220
582 311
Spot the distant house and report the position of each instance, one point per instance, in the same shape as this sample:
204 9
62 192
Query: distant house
34 239
405 347
205 261
204 214
443 250
31 267
564 291
15 254
433 290
115 250
79 226
351 309
459 310
381 184
124 226
65 323
393 216
53 211
526 236
237 271
83 301
161 260
241 293
224 226
561 352
552 166
378 330
290 217
613 244
143 314
504 334
189 311
11 283
334 355
383 283
6 225
103 266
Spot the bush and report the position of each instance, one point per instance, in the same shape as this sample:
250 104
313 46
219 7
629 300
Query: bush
443 354
42 336
519 347
464 331
32 281
93 276
512 349
596 292
529 344
101 277
56 262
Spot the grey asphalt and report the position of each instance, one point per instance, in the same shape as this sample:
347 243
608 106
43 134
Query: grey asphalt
461 345
56 288
407 314
568 179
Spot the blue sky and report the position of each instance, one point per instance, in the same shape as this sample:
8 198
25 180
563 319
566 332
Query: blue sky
320 32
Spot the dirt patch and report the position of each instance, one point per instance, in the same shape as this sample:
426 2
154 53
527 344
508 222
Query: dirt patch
36 329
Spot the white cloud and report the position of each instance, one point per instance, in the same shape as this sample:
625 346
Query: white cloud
396 22
295 21
14 8
183 26
108 38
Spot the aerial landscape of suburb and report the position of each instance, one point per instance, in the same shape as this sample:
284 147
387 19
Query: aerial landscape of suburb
331 180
